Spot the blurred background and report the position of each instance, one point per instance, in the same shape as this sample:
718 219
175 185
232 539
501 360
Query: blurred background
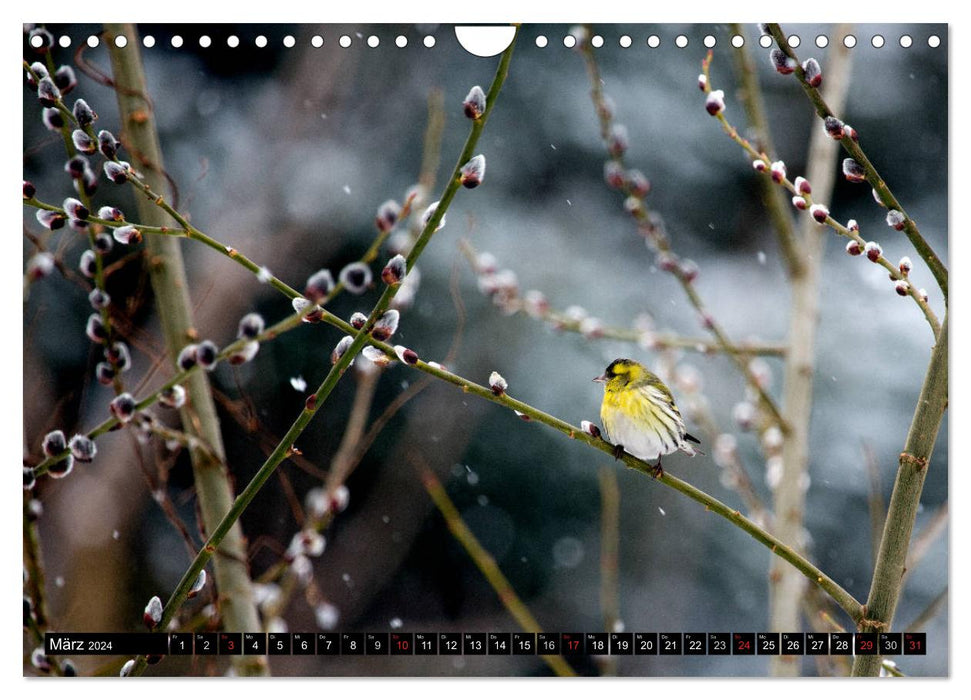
286 153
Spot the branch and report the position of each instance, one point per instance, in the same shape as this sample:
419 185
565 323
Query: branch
904 501
872 176
199 419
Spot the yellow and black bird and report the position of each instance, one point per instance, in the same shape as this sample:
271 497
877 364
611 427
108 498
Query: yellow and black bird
639 414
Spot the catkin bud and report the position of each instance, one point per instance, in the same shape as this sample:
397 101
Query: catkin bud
75 209
473 172
812 71
590 428
778 171
99 299
782 63
50 219
83 142
108 144
84 114
319 285
77 166
187 357
52 119
498 384
61 468
614 174
95 329
905 266
356 277
300 305
54 443
800 202
46 40
689 270
103 243
406 355
105 373
342 346
117 172
429 213
896 220
122 407
394 272
30 479
153 613
47 92
387 216
802 185
819 212
127 234
715 102
474 105
873 251
386 326
250 326
173 396
82 448
375 355
40 265
358 320
617 140
853 248
637 183
207 354
29 190
903 288
111 214
197 585
38 69
40 661
834 127
244 354
759 165
853 171
65 79
702 81
119 355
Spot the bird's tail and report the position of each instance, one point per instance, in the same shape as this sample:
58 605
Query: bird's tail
688 449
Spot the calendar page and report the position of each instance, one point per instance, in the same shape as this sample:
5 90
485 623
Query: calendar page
434 350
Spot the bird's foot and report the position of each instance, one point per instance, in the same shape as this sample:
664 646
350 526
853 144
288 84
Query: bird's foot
618 451
657 472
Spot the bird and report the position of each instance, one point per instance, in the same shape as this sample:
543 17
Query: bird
640 415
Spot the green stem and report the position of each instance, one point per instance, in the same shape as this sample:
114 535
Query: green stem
905 500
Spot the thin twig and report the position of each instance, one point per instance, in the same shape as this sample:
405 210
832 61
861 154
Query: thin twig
485 562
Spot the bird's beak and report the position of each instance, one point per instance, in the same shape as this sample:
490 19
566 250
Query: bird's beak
602 378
